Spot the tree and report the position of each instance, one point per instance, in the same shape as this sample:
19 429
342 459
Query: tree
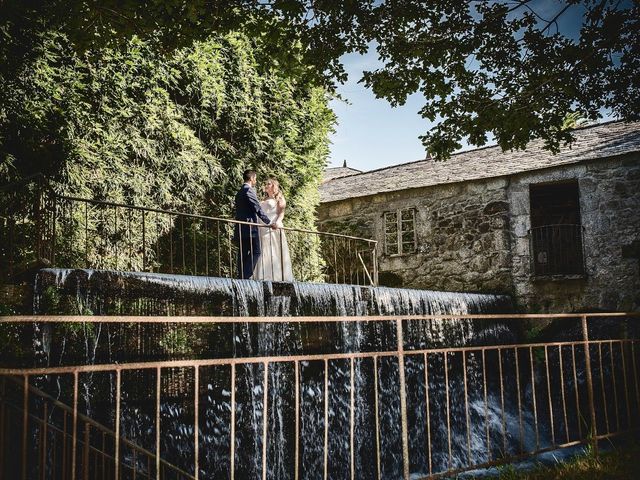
98 124
511 69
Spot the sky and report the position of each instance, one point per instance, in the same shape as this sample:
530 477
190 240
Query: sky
370 133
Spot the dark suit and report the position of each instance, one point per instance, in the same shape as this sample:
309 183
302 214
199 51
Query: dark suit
247 237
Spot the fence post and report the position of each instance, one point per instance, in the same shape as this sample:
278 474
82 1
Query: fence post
587 360
53 234
375 264
403 401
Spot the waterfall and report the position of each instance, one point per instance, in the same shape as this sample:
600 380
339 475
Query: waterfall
153 294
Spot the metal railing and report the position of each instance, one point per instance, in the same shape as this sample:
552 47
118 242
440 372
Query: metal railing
72 232
557 250
563 393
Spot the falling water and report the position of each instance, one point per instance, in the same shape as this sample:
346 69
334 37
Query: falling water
110 293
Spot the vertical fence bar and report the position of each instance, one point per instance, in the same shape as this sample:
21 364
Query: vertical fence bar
615 386
45 418
626 385
575 388
104 453
25 424
281 232
206 248
296 460
564 402
486 405
86 233
350 261
502 408
2 424
196 421
265 419
64 445
158 229
352 415
533 398
602 389
195 252
448 408
241 252
589 375
53 236
335 257
129 240
219 249
74 435
158 388
232 428
403 400
115 234
520 423
326 420
144 241
553 430
170 245
466 404
636 380
230 243
182 242
117 433
85 456
377 414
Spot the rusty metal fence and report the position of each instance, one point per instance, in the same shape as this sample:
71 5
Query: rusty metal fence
72 232
569 393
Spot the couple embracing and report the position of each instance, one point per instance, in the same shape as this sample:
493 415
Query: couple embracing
263 252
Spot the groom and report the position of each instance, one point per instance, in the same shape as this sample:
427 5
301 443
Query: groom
247 237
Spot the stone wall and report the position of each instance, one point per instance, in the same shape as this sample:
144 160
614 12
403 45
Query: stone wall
473 236
609 192
462 235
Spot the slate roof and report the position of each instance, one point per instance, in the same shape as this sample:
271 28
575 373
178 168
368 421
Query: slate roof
338 172
592 142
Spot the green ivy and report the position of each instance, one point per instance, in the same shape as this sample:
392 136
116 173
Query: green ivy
137 126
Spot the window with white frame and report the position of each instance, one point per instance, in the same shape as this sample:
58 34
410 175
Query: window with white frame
400 232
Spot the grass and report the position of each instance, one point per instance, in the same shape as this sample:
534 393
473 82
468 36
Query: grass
618 464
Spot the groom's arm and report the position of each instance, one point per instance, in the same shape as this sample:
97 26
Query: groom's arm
255 205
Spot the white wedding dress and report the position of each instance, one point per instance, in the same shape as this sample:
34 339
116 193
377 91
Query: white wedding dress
274 262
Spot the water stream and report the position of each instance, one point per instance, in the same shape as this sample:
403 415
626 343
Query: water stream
462 423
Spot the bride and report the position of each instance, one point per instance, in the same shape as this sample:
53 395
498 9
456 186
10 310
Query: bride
274 262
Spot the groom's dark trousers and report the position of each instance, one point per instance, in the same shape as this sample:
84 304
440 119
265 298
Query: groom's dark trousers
247 237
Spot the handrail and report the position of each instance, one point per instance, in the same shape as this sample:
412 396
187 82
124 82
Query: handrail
206 217
98 426
475 380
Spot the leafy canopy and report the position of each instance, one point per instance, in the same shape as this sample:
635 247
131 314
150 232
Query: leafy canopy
511 69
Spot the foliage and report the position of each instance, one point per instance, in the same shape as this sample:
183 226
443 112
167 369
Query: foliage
620 463
511 70
175 132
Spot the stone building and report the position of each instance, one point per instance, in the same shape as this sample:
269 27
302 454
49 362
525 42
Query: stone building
557 232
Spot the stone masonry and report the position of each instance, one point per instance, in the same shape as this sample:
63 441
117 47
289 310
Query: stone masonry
473 235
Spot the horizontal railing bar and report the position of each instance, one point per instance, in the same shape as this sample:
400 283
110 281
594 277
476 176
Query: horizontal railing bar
84 419
193 215
62 370
294 319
